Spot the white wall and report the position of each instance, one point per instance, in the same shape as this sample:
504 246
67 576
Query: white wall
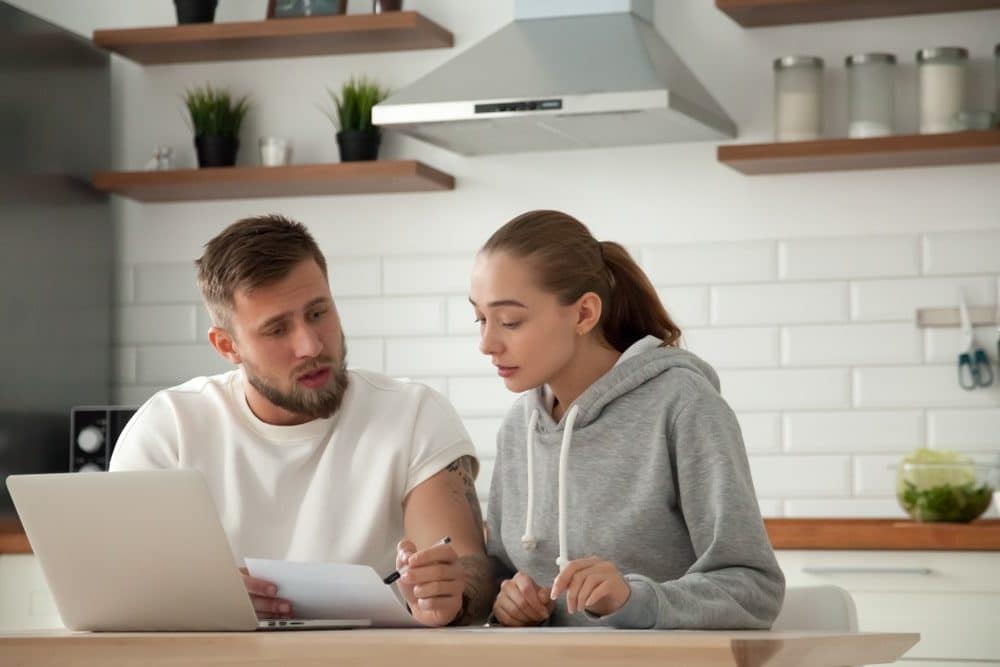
800 289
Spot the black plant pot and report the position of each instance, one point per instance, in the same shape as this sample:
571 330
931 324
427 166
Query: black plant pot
357 145
216 151
195 11
380 6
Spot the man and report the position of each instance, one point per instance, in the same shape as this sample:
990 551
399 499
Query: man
309 461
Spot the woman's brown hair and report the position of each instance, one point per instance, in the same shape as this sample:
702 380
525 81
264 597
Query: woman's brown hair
569 262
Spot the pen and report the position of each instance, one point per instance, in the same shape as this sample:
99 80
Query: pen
397 574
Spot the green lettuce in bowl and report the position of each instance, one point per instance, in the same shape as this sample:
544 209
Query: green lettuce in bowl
939 485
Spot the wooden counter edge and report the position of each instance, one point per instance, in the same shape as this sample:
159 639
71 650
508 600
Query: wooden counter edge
485 647
883 535
817 534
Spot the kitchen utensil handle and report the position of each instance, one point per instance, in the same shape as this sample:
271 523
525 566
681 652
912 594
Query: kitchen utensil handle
984 369
868 570
966 373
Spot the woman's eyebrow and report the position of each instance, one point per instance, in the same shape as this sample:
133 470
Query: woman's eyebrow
501 302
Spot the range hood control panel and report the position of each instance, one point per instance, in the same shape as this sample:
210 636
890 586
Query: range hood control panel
523 105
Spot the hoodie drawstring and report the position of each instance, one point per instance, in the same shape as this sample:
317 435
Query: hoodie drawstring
528 540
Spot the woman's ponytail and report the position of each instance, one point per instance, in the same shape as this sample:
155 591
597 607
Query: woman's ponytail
634 309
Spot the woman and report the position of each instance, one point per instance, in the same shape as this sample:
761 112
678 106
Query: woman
621 459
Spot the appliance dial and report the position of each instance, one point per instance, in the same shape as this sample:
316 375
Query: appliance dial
90 439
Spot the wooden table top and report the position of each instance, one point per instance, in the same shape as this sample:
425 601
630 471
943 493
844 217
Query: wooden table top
861 534
482 647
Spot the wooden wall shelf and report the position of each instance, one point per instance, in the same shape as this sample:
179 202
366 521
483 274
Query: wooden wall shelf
757 13
910 150
343 178
276 38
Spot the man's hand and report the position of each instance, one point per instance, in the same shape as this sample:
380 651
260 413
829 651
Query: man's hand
432 583
522 602
592 584
263 594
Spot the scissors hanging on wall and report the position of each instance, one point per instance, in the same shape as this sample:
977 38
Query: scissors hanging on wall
974 369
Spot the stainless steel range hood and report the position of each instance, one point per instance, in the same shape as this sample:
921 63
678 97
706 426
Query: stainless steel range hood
564 74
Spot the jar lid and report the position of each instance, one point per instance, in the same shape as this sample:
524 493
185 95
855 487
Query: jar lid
870 59
942 53
798 61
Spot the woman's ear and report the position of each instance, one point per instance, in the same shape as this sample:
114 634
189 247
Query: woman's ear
588 313
224 344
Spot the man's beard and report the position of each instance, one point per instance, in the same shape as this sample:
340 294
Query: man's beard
313 403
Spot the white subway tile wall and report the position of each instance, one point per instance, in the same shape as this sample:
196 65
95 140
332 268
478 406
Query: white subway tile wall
688 306
761 431
851 345
813 338
783 303
392 317
735 347
898 300
965 252
965 430
701 263
875 257
354 276
941 346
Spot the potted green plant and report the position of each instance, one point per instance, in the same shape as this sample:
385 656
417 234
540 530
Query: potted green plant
195 11
357 139
215 119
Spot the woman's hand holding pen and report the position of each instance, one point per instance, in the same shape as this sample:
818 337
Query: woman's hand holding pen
522 602
432 582
592 584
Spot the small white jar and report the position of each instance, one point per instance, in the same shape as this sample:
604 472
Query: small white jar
274 151
941 75
798 98
870 94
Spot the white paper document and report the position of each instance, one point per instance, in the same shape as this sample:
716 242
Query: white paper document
334 590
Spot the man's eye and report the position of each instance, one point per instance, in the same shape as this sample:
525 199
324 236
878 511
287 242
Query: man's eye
277 331
316 314
510 325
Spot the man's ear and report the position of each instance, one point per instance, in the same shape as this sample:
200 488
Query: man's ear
588 313
224 344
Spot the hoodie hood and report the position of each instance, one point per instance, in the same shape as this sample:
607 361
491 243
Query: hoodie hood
642 361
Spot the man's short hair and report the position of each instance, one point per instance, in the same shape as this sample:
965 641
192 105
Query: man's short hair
251 253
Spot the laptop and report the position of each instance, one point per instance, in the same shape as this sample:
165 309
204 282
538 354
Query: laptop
139 552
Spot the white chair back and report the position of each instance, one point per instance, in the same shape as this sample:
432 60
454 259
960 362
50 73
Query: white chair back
828 608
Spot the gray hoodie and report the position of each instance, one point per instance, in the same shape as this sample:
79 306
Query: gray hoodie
656 481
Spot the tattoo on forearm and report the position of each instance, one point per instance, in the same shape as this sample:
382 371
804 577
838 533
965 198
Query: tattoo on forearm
480 584
463 468
480 589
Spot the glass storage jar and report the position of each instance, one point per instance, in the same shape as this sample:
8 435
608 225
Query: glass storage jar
870 94
798 98
942 87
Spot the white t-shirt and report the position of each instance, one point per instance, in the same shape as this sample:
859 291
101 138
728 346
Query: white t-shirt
327 490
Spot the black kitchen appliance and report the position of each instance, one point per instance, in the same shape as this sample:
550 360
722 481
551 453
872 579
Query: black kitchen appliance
94 430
